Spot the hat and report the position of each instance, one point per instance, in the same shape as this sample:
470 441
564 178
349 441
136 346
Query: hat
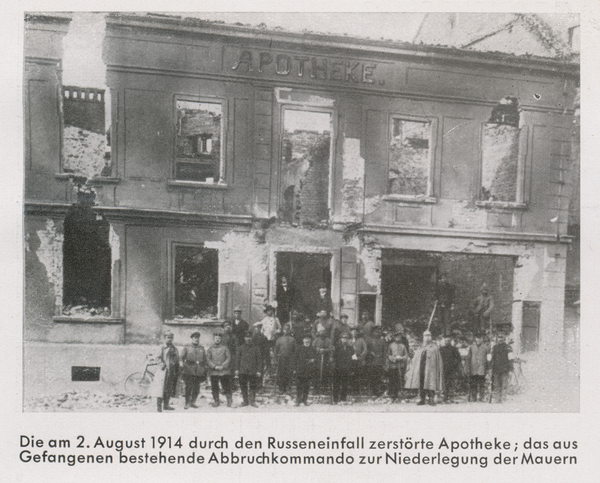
345 335
218 332
322 313
307 336
195 334
269 307
356 328
249 334
344 316
377 327
237 308
427 332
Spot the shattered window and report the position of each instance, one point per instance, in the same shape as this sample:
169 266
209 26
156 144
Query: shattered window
500 162
86 264
198 141
86 141
196 281
305 167
409 158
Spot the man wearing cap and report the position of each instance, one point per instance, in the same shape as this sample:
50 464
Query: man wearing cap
249 368
396 360
239 326
322 322
324 349
305 368
426 372
481 310
357 364
284 356
366 323
452 362
444 294
286 300
475 368
193 369
500 368
338 327
375 361
165 383
218 359
324 301
342 361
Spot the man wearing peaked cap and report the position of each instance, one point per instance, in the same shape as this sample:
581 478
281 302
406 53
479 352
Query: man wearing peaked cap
238 326
426 371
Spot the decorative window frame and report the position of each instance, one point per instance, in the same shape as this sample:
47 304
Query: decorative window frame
220 183
428 197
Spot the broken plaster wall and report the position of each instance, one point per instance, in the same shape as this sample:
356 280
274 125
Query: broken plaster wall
50 254
353 182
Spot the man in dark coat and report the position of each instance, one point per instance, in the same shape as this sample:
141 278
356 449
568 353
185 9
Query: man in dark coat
444 294
342 361
324 301
218 359
324 349
500 368
239 326
426 372
305 368
452 365
193 369
287 300
249 369
375 361
481 310
169 356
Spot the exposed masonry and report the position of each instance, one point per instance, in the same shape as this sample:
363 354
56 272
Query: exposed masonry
50 254
354 180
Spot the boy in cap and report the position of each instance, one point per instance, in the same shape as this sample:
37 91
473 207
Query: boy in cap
218 359
305 368
396 359
193 369
284 356
249 368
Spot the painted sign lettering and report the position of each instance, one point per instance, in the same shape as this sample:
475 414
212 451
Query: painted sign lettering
317 68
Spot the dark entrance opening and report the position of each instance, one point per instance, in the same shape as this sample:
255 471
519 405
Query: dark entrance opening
305 272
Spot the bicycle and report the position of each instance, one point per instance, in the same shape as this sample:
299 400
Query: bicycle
138 383
516 378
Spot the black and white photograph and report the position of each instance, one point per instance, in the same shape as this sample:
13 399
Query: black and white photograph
301 212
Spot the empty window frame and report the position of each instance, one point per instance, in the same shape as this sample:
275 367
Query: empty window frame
199 140
87 264
502 162
410 156
195 286
306 154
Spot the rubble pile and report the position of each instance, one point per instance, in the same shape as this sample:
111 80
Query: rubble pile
85 401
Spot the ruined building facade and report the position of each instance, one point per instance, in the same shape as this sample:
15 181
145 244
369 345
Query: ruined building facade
235 156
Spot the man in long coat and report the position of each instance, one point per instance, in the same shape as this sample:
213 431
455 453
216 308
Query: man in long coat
426 372
165 382
193 369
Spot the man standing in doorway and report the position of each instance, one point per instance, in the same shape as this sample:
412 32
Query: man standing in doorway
481 310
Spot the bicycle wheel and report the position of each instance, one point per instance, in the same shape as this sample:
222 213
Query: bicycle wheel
138 384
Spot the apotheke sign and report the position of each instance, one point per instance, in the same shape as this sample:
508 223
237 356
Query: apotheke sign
309 67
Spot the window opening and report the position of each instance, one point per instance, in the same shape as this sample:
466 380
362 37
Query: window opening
306 159
500 153
409 157
196 282
86 264
198 141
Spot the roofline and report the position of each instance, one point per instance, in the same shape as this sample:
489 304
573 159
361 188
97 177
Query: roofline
381 48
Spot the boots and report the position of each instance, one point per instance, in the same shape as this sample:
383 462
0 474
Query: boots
421 398
216 403
253 400
187 403
166 405
159 404
229 400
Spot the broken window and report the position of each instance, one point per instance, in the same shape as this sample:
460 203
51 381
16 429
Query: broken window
198 141
305 166
86 264
500 153
196 282
409 157
86 142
